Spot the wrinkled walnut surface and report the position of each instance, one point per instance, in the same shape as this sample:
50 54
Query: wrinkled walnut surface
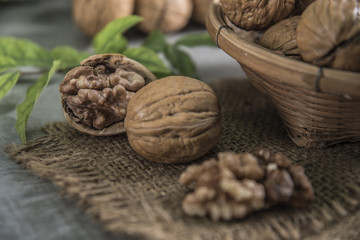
218 193
92 15
256 14
282 37
165 15
174 119
238 184
301 5
95 95
328 27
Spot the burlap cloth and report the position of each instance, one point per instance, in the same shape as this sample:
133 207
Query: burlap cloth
126 193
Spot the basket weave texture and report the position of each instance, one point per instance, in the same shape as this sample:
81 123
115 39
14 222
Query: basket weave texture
318 106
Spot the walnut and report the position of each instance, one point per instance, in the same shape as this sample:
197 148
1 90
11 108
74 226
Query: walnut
281 37
238 184
164 15
174 119
328 29
200 10
256 14
284 182
301 5
95 95
219 193
92 15
244 165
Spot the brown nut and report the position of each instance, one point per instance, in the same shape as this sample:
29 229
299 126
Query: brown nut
200 10
281 37
256 14
164 15
92 15
301 5
172 120
95 95
326 29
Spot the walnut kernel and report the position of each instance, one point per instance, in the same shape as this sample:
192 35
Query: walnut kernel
95 95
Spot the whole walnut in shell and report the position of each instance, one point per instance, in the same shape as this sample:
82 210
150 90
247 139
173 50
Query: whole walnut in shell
95 95
301 5
200 10
282 37
256 14
328 29
164 15
172 120
92 15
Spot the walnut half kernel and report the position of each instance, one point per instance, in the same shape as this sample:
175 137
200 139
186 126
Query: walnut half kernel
95 95
238 184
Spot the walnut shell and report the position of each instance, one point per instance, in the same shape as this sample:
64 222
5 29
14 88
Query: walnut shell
166 16
172 120
200 10
282 37
327 27
92 15
95 95
257 14
301 5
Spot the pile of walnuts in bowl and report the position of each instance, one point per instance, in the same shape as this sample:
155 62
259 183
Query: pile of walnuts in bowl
321 32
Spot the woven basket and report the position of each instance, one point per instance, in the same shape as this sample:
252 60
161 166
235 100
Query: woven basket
319 106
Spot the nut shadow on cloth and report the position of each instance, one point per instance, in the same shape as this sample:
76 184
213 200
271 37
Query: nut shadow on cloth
127 193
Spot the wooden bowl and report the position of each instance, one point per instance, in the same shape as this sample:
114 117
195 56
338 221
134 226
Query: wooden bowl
319 106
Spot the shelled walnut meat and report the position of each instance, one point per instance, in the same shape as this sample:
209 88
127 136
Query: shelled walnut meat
238 184
173 120
256 14
92 15
95 95
328 29
165 15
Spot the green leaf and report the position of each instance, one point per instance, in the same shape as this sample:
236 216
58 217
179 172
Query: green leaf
68 56
148 58
181 61
196 39
112 30
24 109
7 82
6 63
25 52
117 45
155 41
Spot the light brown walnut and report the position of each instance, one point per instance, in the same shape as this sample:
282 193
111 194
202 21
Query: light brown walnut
257 14
328 29
174 119
92 15
95 95
200 10
165 15
282 37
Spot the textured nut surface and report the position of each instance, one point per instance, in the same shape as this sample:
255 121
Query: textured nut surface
328 27
174 119
92 15
165 15
95 95
256 14
282 37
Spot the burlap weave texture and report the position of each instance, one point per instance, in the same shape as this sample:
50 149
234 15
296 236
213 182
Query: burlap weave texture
127 193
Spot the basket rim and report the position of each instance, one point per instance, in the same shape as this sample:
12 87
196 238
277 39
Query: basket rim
302 74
